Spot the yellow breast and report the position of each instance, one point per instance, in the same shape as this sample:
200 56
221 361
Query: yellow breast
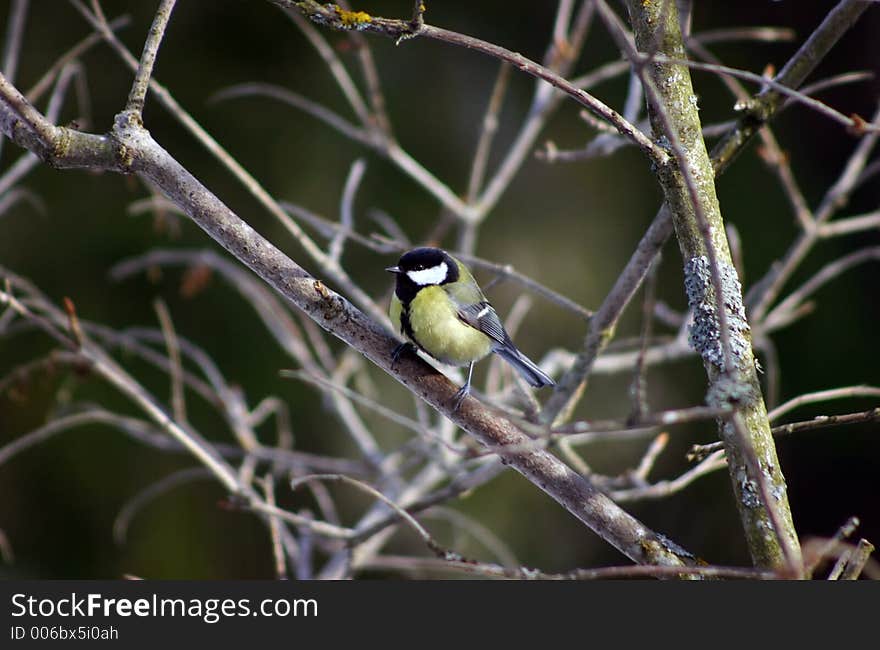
437 329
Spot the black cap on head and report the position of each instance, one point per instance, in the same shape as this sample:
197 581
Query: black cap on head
421 267
418 259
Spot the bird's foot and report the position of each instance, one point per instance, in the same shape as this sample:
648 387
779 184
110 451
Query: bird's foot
462 392
399 350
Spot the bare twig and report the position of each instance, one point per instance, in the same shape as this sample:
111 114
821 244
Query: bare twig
786 311
487 133
822 396
823 421
178 401
857 560
422 564
346 210
829 547
138 92
869 221
12 42
275 525
408 518
329 16
662 489
638 387
157 489
337 69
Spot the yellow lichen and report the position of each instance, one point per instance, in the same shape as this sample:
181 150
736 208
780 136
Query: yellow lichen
353 18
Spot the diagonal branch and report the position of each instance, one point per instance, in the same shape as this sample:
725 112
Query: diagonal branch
133 150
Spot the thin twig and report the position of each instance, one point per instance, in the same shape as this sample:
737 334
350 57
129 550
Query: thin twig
638 387
397 29
851 123
857 560
459 485
278 555
138 93
142 498
785 312
479 532
337 69
823 421
12 43
727 34
487 133
662 489
850 225
822 396
346 209
178 401
831 545
421 564
408 518
45 82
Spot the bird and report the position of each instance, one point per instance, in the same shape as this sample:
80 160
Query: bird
440 309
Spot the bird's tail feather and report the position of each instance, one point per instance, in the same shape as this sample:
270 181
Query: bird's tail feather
525 367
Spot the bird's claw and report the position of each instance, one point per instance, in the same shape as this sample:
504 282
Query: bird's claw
399 350
460 394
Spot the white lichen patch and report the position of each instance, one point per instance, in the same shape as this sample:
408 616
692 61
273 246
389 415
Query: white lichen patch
705 332
749 492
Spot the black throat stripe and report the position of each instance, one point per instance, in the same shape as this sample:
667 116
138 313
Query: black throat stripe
405 325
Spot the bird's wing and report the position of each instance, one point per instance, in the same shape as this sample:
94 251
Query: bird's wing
481 315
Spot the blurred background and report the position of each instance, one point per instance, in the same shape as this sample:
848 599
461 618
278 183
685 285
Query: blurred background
571 226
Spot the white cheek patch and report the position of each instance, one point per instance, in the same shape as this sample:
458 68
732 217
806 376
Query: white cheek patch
433 275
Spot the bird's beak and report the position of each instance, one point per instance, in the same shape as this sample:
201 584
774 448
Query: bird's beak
393 269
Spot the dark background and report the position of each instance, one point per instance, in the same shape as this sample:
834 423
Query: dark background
571 226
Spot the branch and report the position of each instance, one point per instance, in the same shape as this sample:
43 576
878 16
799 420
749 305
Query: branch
603 324
763 107
130 148
822 421
335 17
138 92
720 333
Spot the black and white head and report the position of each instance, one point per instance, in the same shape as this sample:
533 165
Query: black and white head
423 267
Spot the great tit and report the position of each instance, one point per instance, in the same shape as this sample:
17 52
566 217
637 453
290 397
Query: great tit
438 306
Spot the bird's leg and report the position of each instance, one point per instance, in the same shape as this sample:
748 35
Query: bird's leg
465 390
399 350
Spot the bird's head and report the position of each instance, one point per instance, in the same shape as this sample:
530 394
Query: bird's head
425 267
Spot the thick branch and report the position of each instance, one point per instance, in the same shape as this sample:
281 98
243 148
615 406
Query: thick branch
132 149
721 333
